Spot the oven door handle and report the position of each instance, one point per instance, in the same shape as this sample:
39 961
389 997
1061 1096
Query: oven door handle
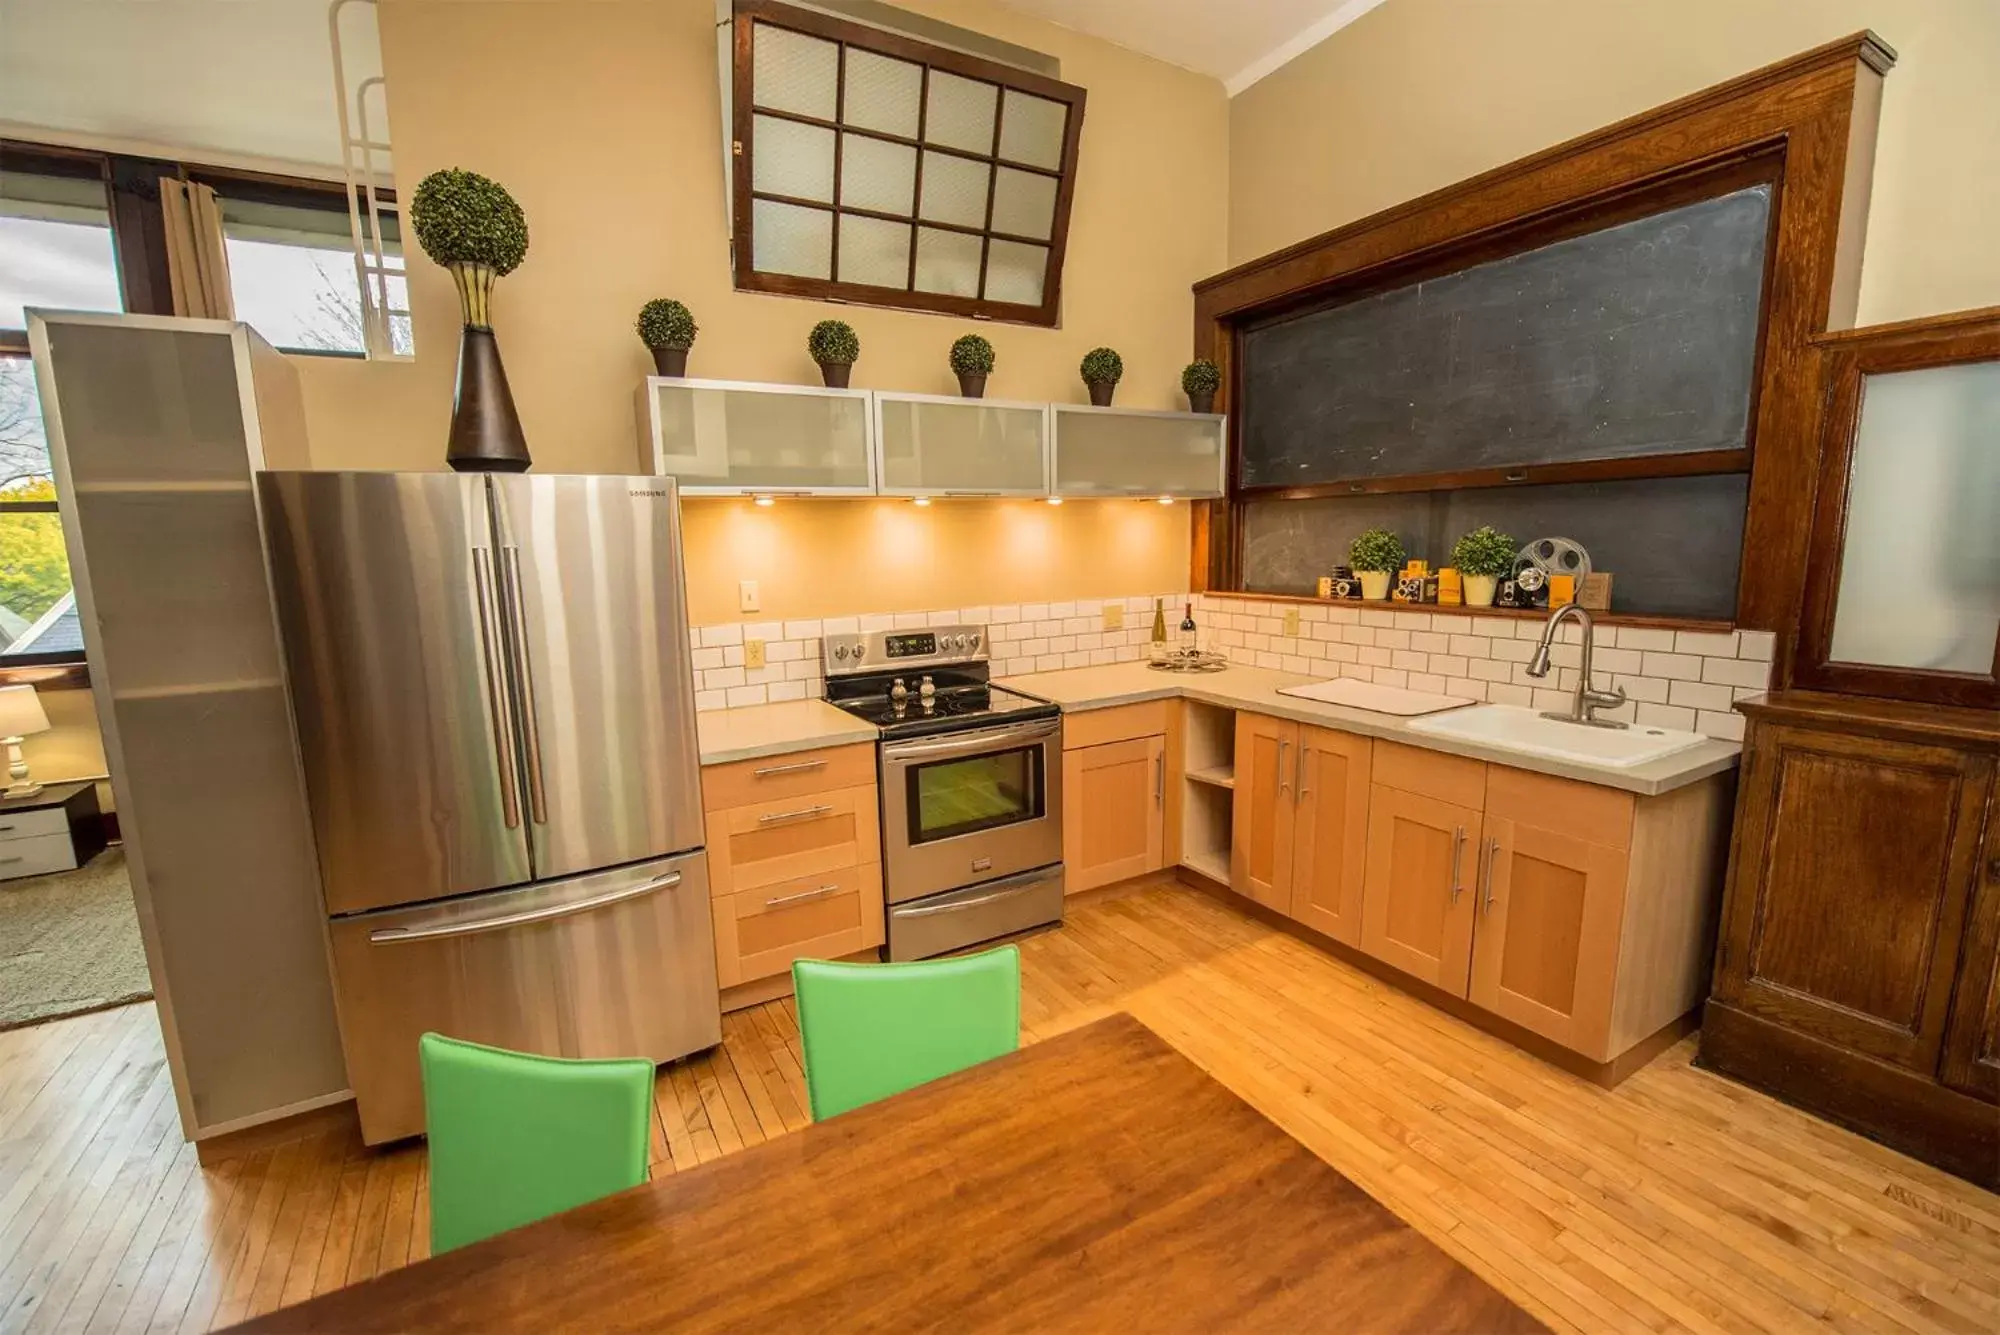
971 743
1002 889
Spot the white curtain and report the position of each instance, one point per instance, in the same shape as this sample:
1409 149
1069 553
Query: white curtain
197 264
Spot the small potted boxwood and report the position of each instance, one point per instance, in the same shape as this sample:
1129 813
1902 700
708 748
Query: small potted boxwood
835 346
1199 381
972 362
1375 555
668 328
1482 557
1101 369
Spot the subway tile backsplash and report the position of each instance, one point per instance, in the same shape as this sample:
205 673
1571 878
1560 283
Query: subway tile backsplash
1674 679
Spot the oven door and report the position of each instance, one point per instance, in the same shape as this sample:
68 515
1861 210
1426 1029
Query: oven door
970 806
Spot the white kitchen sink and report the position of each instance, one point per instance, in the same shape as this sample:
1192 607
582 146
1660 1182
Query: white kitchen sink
1512 728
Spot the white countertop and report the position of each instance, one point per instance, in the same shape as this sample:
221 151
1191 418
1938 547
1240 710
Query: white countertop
755 731
1081 689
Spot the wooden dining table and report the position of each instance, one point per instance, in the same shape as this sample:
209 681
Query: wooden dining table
1095 1181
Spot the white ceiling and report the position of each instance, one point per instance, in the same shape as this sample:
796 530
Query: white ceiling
228 81
1237 41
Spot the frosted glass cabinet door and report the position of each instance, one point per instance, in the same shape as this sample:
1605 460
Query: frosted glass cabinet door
934 445
726 438
1128 452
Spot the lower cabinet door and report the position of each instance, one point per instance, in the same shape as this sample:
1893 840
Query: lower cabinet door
1418 907
1545 952
1266 803
1114 811
1972 1043
758 933
1330 842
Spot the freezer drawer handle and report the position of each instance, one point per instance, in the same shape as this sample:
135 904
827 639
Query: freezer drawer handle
388 936
788 769
803 813
803 895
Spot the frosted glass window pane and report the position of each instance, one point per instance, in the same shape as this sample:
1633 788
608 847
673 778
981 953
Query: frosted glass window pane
1031 131
790 239
947 262
882 94
1023 203
960 113
875 252
793 72
876 174
1109 453
1014 272
972 445
1920 568
954 190
792 159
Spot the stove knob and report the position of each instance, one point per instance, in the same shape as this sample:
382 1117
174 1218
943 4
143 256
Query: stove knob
839 651
975 641
958 642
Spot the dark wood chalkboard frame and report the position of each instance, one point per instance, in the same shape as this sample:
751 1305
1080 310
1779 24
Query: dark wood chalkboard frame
1808 122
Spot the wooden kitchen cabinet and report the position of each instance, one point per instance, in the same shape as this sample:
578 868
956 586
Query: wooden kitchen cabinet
1114 811
1972 1038
1260 859
1417 908
1330 835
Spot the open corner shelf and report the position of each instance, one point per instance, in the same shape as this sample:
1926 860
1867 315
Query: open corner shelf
1218 776
1215 866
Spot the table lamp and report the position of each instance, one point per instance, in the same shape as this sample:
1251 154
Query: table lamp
20 714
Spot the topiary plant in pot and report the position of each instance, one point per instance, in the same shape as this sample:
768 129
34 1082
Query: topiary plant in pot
1101 369
473 227
1200 379
972 362
1482 557
1375 555
835 346
668 328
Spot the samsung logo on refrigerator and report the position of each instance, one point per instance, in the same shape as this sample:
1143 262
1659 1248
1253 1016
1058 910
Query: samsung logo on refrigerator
649 492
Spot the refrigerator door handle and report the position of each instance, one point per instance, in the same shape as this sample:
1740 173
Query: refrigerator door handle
455 926
492 642
517 613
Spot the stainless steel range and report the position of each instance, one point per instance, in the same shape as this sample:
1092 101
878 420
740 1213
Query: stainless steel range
971 787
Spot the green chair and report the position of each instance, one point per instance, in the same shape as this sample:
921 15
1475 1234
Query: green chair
872 1030
515 1137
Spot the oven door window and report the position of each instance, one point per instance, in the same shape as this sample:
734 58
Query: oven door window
973 793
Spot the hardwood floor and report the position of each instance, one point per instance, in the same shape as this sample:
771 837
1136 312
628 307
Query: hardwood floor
1679 1201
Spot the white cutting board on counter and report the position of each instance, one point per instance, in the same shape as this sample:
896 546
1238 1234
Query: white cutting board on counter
1357 694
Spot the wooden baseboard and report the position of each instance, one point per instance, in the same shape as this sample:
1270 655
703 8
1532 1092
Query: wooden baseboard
1609 1074
334 1117
1905 1110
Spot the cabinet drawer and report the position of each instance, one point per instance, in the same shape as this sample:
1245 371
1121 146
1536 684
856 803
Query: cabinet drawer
1410 769
30 824
754 846
34 856
773 778
1584 811
758 933
1121 723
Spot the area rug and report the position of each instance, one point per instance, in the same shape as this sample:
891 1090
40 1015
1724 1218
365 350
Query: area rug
69 943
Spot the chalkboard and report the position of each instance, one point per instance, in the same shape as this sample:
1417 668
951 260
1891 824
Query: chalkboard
1674 543
1636 339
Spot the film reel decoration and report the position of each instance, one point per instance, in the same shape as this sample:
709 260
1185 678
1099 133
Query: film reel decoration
1552 556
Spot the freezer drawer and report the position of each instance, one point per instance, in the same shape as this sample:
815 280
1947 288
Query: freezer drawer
960 918
619 963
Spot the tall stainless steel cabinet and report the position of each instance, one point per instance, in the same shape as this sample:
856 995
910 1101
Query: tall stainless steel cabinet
496 711
156 426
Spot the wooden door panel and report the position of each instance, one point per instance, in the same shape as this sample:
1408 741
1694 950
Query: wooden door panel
1545 953
1417 910
1330 851
1113 812
1972 1043
1856 857
1261 854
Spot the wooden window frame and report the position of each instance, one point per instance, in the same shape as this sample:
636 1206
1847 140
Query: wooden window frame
1850 358
1813 115
879 41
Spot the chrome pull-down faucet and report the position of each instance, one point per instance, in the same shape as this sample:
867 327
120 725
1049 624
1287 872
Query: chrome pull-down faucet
1587 701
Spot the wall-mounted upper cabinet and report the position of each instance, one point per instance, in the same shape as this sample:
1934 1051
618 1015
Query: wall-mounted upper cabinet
1130 452
727 438
932 445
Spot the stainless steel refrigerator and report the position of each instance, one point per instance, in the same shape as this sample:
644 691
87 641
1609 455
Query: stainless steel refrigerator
492 684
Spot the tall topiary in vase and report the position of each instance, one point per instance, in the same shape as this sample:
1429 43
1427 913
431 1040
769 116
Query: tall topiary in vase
473 227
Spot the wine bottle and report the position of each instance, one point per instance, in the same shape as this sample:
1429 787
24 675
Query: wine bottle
1187 630
1159 623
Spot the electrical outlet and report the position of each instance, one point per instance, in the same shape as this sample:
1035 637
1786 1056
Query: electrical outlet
753 654
1114 616
1292 622
746 596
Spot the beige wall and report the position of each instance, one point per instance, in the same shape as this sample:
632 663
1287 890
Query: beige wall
71 748
1419 94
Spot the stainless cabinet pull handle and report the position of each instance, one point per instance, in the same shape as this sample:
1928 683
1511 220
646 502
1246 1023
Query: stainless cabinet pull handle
1299 774
1159 781
504 741
803 895
1492 851
803 813
5 828
19 857
531 727
788 769
1283 746
1457 861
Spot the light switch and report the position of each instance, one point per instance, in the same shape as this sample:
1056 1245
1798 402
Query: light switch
747 596
1292 622
753 654
1114 616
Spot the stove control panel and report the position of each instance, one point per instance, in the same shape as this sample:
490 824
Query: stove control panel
880 650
